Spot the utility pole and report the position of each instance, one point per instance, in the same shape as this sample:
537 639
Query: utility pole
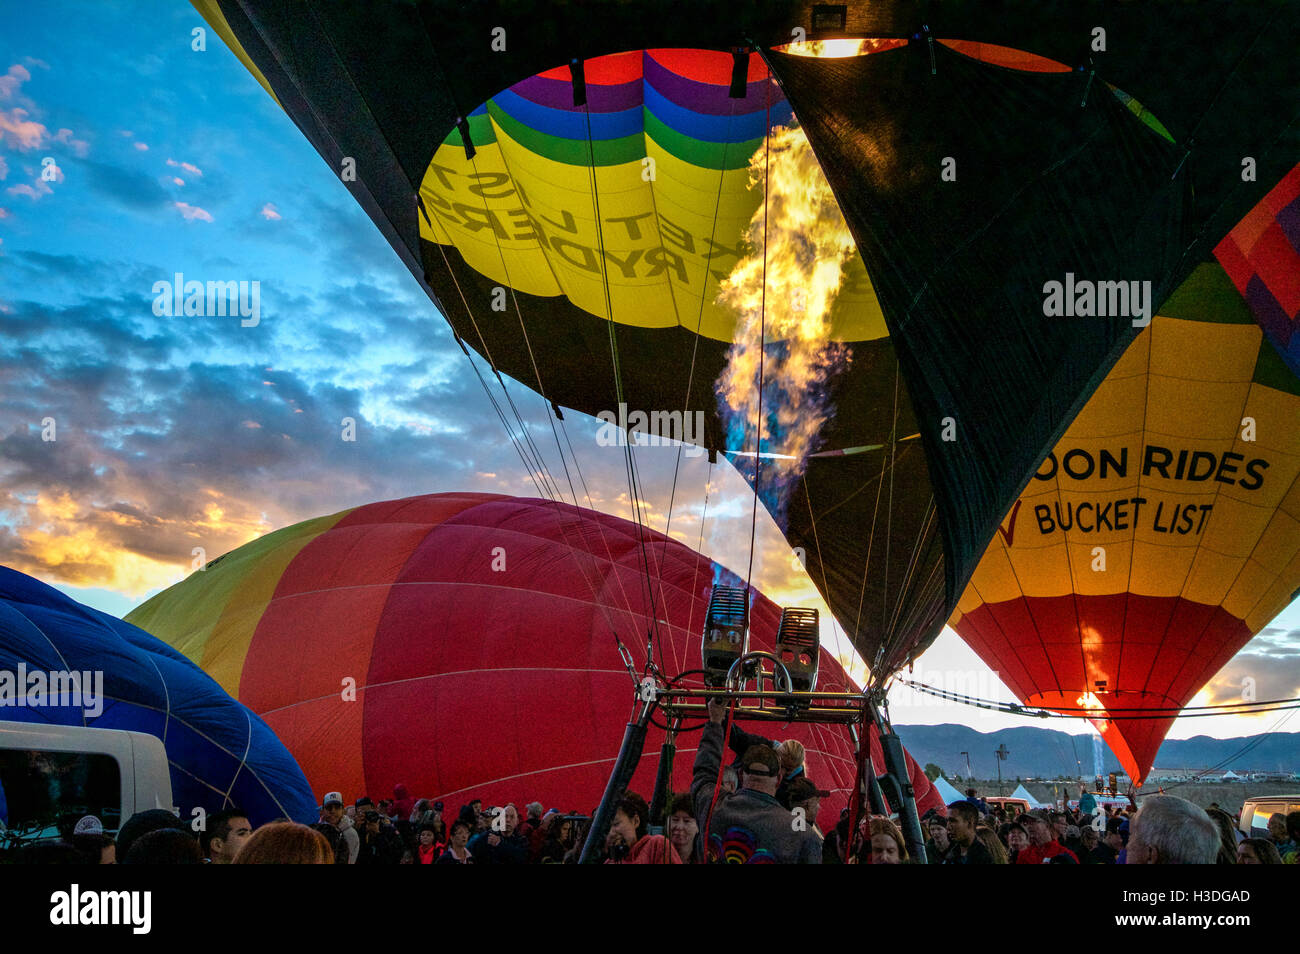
1001 752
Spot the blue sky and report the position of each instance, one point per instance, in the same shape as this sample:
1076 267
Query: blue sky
175 433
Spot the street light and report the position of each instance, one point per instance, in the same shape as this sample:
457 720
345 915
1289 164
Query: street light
1001 752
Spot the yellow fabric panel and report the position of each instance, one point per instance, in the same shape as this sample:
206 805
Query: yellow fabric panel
211 12
1203 351
1277 423
662 250
480 212
1276 598
1212 575
1191 409
196 616
1170 443
1251 584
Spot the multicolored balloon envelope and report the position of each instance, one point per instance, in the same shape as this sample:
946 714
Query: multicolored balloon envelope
833 254
221 755
464 645
1161 533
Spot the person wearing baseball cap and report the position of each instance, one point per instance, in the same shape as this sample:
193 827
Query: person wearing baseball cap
804 795
1043 846
332 814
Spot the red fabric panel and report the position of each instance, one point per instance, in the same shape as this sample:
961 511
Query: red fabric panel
1153 653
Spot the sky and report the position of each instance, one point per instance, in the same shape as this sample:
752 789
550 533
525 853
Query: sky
126 157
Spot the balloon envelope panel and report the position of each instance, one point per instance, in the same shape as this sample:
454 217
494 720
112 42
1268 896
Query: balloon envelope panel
464 645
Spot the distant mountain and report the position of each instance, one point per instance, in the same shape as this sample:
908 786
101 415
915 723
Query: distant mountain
1045 753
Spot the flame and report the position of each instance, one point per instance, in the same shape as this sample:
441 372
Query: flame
838 49
783 292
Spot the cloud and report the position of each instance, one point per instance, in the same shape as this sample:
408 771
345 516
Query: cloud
4 168
79 146
1267 668
270 212
4 213
178 181
34 191
21 133
191 169
12 80
141 146
192 212
127 187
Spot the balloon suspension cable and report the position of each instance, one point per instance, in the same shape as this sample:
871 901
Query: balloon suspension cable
1132 713
717 785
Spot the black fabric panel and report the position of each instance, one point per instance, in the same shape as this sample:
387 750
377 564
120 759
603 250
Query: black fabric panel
1044 187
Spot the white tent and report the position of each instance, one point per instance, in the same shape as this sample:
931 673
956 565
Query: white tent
947 792
1022 792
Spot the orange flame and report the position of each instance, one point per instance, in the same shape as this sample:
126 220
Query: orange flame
783 291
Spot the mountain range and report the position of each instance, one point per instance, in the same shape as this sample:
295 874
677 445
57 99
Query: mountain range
1046 753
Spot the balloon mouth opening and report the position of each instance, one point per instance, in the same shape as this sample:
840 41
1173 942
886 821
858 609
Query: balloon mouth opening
838 49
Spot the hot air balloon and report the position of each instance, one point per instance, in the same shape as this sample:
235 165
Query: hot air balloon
594 197
221 755
1160 534
463 645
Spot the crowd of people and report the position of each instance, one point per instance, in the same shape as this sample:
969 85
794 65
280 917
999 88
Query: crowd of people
758 807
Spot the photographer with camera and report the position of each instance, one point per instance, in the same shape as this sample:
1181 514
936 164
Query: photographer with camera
627 842
501 843
755 827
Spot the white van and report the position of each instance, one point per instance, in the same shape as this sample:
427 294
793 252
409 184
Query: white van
55 774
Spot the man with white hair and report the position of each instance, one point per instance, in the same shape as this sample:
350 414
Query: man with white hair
1169 830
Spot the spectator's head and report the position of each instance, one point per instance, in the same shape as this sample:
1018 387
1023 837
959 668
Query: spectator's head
939 833
331 810
1258 851
1017 837
427 835
887 846
1277 827
762 768
285 843
534 810
631 818
1169 830
791 755
1088 838
730 781
963 817
802 793
459 833
970 793
1038 827
334 838
682 826
224 834
1293 826
140 824
437 810
1061 825
990 839
1114 836
511 818
372 822
164 846
1227 835
96 849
